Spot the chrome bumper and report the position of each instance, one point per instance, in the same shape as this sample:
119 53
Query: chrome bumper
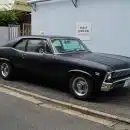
118 83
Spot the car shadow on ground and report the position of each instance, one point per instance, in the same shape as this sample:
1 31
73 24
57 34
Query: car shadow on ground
114 95
117 95
40 82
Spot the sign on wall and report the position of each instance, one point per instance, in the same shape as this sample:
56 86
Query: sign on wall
83 30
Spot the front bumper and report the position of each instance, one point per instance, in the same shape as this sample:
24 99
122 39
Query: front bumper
118 83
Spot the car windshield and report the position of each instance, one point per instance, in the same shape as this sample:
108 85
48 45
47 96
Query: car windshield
68 45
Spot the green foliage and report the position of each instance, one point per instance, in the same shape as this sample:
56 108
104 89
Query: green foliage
8 17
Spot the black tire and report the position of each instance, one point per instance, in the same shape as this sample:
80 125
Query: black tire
9 74
89 85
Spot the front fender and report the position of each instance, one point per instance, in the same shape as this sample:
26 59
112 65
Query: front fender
80 71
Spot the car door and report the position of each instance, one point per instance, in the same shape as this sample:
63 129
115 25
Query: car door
38 58
20 51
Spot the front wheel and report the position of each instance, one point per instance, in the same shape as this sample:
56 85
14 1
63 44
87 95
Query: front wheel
81 87
5 70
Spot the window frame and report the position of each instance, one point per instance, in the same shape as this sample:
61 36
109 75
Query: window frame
55 51
48 43
14 46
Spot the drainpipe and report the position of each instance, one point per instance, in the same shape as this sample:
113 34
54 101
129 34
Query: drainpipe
33 3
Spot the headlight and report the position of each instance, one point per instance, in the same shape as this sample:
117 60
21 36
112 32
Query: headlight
108 76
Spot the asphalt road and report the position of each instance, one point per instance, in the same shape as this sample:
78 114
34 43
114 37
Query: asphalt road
116 102
18 114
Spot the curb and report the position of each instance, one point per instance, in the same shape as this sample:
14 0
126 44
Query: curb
74 107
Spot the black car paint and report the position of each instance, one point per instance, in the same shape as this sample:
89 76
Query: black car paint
59 66
115 62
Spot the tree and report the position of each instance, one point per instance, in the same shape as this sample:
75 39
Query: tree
8 17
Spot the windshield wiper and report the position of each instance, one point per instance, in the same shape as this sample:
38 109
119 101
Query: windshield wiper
75 50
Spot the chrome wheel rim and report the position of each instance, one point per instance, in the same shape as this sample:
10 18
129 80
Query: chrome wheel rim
4 69
80 86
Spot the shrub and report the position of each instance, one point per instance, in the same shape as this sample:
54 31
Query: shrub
8 17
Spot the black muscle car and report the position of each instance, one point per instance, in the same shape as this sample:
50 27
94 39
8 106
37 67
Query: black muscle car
65 59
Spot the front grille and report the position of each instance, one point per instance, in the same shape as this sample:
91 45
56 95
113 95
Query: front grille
122 73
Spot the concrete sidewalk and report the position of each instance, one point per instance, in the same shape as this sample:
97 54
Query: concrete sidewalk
116 102
18 114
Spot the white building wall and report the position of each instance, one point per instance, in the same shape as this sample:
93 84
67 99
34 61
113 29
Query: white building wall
4 1
110 22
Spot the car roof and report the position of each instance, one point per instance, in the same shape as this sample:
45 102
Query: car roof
45 36
15 40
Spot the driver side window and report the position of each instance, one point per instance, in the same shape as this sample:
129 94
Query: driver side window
38 46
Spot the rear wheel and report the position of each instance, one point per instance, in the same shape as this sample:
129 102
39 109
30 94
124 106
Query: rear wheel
5 70
81 87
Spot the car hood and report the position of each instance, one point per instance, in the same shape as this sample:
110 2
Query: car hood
116 62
